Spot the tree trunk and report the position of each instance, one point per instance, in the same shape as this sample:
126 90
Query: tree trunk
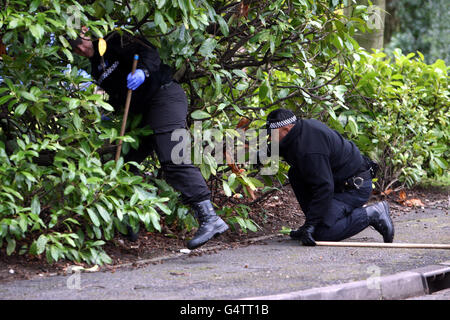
373 39
391 23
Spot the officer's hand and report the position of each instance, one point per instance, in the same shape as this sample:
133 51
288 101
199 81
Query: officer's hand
136 79
305 235
105 118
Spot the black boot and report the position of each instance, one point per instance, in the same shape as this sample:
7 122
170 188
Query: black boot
379 218
210 224
131 235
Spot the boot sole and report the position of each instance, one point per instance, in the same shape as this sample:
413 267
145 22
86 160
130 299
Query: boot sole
388 214
215 235
221 230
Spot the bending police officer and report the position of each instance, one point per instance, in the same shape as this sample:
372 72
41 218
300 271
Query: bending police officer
163 104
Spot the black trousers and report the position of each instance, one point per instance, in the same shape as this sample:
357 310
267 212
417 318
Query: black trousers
166 112
349 218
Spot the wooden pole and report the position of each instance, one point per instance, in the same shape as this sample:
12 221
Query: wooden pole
384 245
243 124
127 108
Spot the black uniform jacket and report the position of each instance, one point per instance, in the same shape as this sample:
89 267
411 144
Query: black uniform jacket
321 158
118 61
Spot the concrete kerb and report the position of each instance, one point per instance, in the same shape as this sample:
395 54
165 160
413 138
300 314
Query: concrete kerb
398 286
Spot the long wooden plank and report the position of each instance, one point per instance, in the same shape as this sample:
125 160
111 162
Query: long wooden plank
383 245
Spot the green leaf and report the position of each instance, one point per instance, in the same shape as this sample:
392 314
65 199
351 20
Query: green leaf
105 105
34 5
154 217
226 189
397 77
37 31
93 217
134 199
77 121
29 96
35 205
68 190
94 180
54 251
103 213
285 230
352 126
159 21
231 179
5 98
23 224
68 54
208 47
263 91
240 73
57 6
160 3
12 191
11 247
200 114
223 25
119 213
441 162
164 208
41 243
250 225
29 176
109 6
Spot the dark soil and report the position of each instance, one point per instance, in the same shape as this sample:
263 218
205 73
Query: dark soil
279 210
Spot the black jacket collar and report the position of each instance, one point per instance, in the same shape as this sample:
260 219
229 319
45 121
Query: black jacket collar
290 137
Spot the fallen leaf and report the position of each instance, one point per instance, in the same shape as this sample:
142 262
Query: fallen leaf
386 192
244 9
93 269
2 47
414 203
402 196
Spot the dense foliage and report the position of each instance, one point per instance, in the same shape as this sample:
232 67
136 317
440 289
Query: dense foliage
62 195
423 26
400 116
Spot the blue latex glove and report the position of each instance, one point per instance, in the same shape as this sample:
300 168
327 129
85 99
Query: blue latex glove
136 79
105 118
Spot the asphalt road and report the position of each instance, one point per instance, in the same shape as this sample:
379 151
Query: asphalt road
439 295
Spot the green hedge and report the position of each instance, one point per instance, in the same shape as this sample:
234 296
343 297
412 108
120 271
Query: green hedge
399 114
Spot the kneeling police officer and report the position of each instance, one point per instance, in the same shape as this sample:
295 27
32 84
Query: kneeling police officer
331 181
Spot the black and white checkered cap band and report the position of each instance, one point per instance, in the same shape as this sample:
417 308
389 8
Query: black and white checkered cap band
282 123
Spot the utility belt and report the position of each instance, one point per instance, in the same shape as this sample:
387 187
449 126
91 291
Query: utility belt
367 172
356 181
